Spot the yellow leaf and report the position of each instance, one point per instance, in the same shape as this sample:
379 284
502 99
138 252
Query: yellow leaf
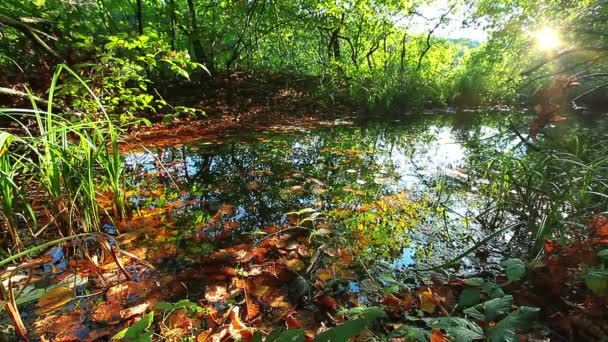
325 274
295 265
54 298
427 302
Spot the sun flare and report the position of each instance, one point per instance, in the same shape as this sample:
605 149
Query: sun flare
548 39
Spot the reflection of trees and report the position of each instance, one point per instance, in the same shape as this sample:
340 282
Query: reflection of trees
261 175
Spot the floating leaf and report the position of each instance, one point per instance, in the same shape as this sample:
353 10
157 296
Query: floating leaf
325 274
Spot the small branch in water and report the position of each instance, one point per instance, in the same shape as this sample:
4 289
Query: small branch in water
523 139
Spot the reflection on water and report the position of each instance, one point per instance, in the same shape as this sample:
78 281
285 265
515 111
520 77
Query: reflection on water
217 190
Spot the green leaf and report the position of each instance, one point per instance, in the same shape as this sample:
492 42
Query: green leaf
344 331
257 337
460 329
492 289
184 303
366 312
274 334
474 281
515 269
411 333
489 310
291 335
137 332
518 322
469 297
597 280
603 254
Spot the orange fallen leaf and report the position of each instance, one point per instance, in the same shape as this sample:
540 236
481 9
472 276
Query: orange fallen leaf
438 336
107 312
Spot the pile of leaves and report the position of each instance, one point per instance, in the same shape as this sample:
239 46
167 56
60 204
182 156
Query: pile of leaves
293 282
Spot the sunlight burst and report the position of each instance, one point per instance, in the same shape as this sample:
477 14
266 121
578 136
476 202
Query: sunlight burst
548 39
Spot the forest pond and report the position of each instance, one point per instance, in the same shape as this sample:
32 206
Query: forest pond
351 207
402 185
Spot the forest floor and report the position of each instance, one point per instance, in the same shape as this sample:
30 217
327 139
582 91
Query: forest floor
240 103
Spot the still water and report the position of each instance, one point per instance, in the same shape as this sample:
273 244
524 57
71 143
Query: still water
402 186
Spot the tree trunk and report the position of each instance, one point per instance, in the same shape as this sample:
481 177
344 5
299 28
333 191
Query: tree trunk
140 19
195 40
173 23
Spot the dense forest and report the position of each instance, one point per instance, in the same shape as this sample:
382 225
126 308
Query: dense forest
304 170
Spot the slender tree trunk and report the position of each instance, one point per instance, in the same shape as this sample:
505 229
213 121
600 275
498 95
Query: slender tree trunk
173 23
140 19
195 39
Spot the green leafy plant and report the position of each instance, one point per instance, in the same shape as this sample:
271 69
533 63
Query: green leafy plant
137 332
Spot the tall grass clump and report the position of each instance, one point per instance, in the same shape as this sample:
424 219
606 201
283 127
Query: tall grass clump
554 187
55 169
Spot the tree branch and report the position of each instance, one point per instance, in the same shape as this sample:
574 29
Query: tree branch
30 31
562 54
587 93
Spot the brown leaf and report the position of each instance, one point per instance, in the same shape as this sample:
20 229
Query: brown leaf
107 312
325 274
54 298
216 293
134 311
327 302
128 289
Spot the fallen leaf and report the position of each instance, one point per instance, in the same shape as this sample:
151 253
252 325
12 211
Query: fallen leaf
133 311
438 336
54 298
427 301
325 274
216 293
295 264
107 312
327 302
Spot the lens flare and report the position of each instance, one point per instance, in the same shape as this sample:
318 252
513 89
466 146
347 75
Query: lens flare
548 39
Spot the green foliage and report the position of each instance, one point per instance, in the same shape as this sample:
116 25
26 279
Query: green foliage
491 309
67 164
516 323
459 329
137 332
191 307
514 268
